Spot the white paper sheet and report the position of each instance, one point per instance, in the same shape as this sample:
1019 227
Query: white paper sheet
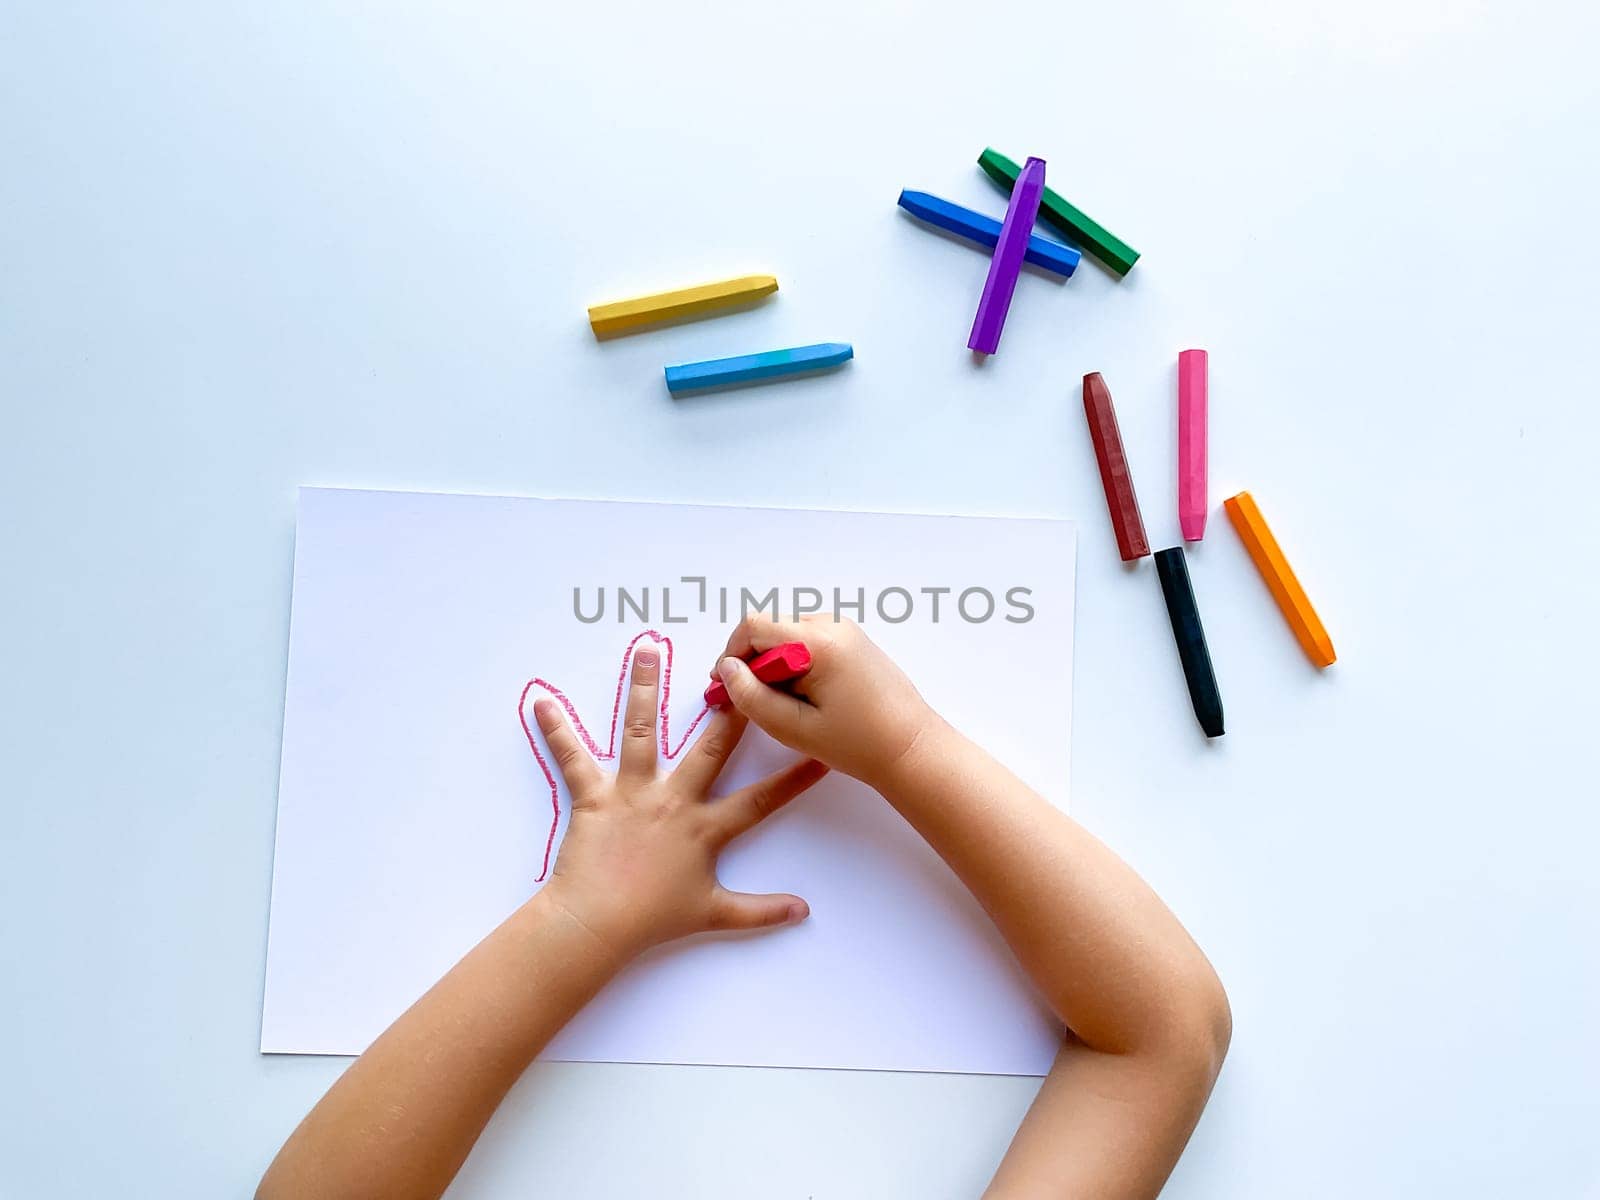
413 815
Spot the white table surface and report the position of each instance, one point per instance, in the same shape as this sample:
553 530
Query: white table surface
248 247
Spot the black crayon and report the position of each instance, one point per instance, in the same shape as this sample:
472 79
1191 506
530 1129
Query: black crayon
1173 569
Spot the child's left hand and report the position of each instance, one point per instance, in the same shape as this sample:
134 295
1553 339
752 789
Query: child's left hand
638 866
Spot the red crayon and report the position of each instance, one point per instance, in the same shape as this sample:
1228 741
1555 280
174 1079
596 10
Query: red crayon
1114 474
778 665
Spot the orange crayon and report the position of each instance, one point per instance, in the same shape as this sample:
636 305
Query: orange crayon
1279 577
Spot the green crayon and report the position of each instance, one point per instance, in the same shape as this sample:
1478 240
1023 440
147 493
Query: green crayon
1090 235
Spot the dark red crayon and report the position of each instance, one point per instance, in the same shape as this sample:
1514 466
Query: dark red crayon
778 665
1114 474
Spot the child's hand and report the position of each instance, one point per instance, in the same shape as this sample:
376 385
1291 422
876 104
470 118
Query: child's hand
639 863
854 710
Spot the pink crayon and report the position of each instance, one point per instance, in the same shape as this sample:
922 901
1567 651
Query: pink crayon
1006 264
1192 366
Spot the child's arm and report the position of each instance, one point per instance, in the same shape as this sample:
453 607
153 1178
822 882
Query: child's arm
1148 1021
637 868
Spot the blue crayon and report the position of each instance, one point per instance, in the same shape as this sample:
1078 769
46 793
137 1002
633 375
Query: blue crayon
975 227
749 368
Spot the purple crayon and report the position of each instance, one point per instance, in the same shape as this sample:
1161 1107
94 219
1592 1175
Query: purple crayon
1006 264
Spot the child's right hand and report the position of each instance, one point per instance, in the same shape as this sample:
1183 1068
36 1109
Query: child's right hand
854 710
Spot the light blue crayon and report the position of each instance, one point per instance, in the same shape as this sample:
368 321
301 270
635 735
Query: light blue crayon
985 231
748 368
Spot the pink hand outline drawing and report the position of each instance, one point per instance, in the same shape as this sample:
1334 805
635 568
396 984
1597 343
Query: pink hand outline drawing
668 750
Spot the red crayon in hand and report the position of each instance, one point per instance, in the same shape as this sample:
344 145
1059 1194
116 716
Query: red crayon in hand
778 665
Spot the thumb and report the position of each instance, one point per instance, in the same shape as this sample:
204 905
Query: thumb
769 708
744 910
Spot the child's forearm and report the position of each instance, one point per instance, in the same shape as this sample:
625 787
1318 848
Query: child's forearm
637 868
1148 1020
1112 961
401 1120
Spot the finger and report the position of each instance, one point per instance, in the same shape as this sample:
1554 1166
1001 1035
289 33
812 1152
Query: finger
749 806
578 769
775 711
699 768
744 910
637 757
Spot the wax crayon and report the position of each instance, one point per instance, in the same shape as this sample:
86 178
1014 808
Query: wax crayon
985 231
1173 569
778 665
1115 477
1280 578
1192 401
705 299
1006 264
751 368
1079 229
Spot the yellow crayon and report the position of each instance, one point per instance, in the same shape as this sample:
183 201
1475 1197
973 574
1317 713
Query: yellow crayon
623 315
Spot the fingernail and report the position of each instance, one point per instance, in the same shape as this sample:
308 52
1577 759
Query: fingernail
798 911
727 668
544 711
646 658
